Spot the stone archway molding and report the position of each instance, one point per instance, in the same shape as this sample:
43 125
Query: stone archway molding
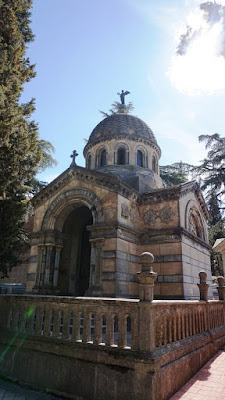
192 209
84 196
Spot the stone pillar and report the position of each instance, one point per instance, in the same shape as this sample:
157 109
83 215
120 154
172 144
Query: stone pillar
221 288
203 286
95 283
40 268
56 266
48 265
146 277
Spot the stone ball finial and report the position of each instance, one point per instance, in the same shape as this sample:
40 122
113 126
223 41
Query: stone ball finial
147 260
220 280
202 276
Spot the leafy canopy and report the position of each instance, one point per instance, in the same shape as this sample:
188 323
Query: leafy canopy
22 153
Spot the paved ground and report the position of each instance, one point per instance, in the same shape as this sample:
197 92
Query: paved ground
208 383
11 391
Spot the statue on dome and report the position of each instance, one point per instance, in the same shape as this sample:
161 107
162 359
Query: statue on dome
122 96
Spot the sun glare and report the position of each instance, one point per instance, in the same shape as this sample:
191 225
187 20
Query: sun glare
201 70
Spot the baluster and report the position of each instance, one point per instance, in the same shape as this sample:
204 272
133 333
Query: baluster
174 330
98 329
30 319
197 321
66 320
182 326
164 330
46 323
190 323
134 333
71 325
157 331
56 322
160 330
109 330
37 322
87 323
76 325
122 331
193 322
187 324
179 326
170 329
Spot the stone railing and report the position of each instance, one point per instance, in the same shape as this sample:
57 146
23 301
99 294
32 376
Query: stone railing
175 321
143 325
117 323
105 322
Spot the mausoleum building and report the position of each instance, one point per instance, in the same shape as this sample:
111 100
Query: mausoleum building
92 224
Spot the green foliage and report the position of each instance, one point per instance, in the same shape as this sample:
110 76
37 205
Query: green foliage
212 168
116 107
176 173
212 172
22 154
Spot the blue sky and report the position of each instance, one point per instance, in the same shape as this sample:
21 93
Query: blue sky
87 51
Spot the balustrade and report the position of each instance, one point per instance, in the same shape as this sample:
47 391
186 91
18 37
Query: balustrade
123 324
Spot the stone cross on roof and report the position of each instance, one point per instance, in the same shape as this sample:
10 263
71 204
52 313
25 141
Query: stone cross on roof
73 156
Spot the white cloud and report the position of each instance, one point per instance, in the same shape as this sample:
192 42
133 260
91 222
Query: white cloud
201 69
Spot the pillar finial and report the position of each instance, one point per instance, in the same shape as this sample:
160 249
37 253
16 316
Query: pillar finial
146 277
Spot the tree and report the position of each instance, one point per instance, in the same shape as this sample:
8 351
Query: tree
212 172
175 173
212 168
21 152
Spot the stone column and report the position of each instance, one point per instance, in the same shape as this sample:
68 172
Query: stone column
95 283
39 267
146 279
221 288
56 266
203 286
48 265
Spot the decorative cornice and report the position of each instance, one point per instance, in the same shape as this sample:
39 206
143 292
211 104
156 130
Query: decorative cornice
175 193
170 234
96 178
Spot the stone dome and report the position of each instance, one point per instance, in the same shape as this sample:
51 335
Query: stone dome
121 126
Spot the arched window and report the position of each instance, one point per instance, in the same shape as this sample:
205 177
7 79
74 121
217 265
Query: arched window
153 164
89 161
140 158
121 156
102 158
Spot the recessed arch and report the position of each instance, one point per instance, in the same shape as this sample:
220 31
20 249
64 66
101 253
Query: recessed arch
141 157
63 204
88 161
154 164
194 222
101 156
121 154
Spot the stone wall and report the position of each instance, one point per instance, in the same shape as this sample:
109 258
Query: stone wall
74 347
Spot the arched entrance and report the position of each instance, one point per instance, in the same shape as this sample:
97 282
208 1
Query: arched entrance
74 268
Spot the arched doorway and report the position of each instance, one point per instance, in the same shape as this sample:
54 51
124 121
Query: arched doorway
74 268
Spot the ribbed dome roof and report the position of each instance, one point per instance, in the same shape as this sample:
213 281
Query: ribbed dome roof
121 124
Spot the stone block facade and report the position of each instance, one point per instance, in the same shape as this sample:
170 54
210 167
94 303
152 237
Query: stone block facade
121 225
